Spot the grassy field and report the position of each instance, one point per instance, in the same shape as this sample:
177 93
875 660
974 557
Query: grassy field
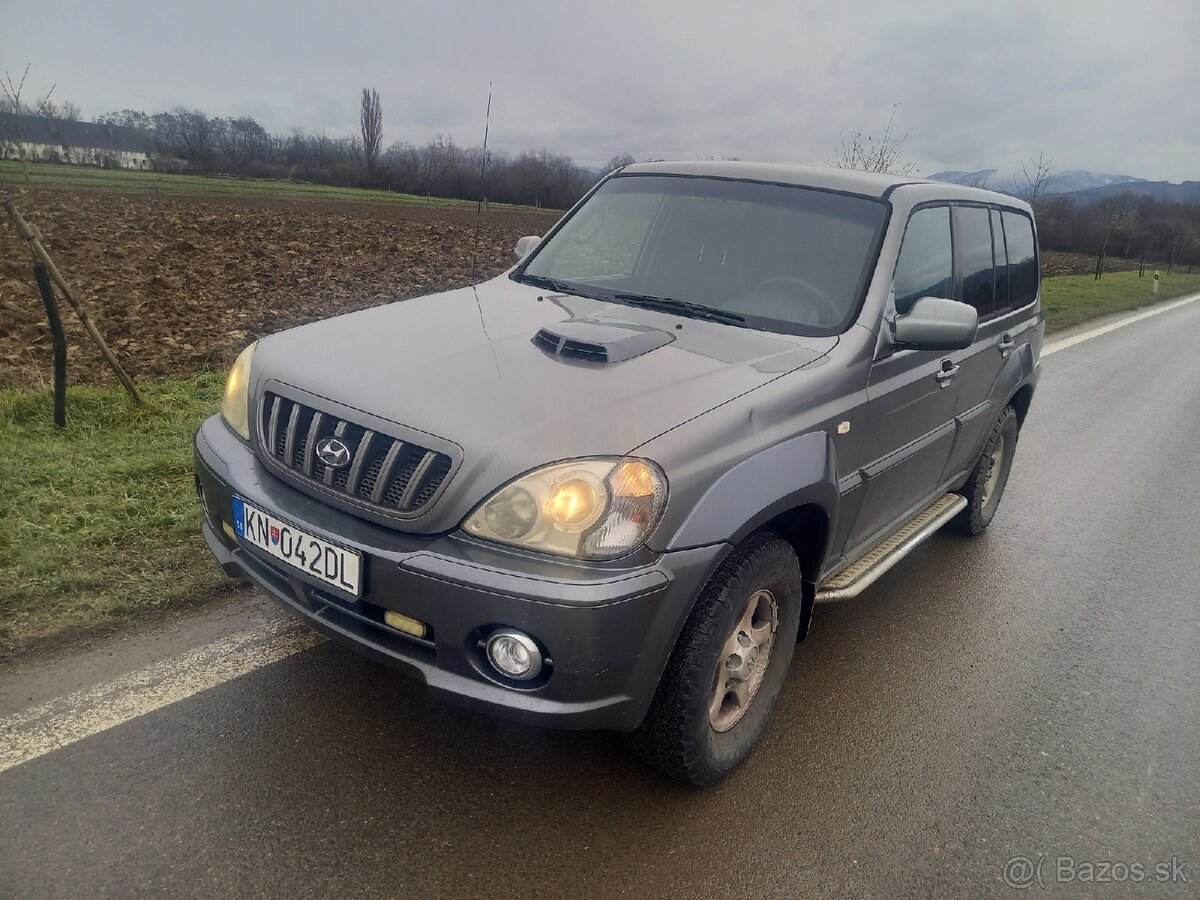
52 175
101 524
1074 299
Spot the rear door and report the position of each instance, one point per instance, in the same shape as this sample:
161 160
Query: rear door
979 245
995 279
911 393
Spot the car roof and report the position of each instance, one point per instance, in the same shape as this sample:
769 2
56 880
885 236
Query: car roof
850 181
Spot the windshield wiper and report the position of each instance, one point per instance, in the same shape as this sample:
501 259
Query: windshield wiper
562 287
684 307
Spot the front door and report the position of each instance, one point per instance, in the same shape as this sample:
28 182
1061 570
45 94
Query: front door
911 394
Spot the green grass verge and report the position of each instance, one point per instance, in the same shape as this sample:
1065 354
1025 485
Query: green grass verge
100 519
1073 299
55 175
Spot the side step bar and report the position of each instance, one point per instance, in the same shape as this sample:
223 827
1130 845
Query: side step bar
851 580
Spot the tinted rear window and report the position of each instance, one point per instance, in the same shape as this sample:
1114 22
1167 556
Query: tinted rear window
1002 299
1022 258
975 255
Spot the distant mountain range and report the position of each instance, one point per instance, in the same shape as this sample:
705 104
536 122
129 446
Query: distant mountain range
1083 185
1186 192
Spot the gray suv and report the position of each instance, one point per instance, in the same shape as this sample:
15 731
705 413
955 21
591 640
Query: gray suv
606 488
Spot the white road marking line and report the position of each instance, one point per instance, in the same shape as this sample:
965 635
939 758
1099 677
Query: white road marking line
69 719
66 720
1120 323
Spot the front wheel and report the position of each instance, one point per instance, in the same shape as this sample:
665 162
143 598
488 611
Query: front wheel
985 485
728 666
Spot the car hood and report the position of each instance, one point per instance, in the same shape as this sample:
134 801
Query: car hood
464 365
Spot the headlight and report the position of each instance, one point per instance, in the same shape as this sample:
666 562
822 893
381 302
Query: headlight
586 508
236 405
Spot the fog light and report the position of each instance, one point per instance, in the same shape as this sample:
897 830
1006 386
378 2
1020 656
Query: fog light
515 655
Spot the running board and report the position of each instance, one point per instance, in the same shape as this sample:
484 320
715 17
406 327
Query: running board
850 581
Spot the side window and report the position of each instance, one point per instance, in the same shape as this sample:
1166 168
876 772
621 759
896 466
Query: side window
1022 258
926 264
1003 303
975 257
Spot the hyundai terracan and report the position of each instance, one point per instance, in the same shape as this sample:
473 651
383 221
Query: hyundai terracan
606 488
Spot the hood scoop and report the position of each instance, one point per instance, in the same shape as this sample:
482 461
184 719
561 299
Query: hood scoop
600 340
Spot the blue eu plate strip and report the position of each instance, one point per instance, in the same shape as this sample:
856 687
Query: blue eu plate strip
239 516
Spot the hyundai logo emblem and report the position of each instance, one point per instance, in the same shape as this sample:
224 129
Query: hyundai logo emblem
333 452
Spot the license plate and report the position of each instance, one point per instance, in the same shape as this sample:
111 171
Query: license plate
318 558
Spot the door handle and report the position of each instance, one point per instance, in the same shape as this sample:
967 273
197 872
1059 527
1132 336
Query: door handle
947 373
1006 344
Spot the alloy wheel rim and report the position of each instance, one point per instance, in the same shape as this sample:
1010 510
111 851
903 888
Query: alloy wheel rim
743 660
994 467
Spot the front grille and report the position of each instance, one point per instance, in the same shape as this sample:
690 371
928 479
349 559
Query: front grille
386 473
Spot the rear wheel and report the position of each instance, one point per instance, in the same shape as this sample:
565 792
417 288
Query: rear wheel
728 666
985 485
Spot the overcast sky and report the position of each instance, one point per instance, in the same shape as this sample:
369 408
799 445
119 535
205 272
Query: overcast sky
1110 87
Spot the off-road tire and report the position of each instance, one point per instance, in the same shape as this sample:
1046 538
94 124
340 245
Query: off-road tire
981 506
677 735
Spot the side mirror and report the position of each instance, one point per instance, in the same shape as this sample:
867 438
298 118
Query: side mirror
935 323
525 246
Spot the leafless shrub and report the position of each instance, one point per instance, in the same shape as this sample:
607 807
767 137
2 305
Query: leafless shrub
880 152
1033 178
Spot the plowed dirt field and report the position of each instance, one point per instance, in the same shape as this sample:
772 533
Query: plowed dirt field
178 284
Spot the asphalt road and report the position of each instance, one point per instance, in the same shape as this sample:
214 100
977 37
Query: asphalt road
1032 693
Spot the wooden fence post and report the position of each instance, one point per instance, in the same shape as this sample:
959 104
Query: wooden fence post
31 236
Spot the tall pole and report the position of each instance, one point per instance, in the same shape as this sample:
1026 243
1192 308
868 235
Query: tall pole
487 122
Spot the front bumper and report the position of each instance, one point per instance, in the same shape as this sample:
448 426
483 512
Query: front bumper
607 631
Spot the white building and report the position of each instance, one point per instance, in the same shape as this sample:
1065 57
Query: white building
39 139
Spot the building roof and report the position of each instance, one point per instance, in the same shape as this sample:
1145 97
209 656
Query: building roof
40 130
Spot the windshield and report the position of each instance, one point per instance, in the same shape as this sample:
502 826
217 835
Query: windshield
768 256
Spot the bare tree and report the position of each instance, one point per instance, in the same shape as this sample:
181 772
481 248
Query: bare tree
128 118
48 109
11 136
371 120
618 162
1035 178
12 92
1117 213
322 144
874 152
196 132
13 103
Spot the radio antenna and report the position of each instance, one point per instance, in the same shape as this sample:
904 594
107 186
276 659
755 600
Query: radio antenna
487 123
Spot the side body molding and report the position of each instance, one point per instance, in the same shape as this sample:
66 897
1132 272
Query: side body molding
801 470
